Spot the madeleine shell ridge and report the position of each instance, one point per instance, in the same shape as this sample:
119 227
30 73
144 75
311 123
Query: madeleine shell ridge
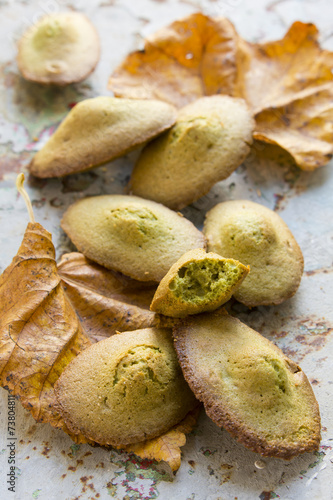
99 130
258 237
139 238
59 49
248 386
125 389
210 139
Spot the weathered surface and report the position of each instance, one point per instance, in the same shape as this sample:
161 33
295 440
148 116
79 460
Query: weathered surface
49 465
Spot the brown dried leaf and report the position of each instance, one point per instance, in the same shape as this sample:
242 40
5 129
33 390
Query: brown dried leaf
287 83
39 330
166 448
106 301
307 137
276 73
192 57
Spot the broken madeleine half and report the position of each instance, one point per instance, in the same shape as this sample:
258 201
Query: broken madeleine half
59 49
98 130
248 386
198 282
125 389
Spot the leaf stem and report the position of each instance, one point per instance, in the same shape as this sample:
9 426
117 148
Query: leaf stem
25 196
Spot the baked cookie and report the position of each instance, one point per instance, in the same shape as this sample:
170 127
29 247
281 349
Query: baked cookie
99 130
258 237
210 139
197 282
60 48
248 386
139 238
125 389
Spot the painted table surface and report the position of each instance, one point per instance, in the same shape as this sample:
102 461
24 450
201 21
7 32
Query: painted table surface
214 466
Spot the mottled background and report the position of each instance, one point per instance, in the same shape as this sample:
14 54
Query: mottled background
214 466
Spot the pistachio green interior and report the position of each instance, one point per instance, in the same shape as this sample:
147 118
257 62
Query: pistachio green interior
202 281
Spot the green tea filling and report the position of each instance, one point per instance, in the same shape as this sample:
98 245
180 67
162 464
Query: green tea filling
202 281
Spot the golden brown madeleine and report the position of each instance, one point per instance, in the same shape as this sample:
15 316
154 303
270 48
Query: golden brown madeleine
60 48
258 237
198 282
248 386
139 238
209 141
99 130
125 389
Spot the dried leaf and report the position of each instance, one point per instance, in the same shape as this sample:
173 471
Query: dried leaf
39 330
192 57
304 128
106 301
287 83
276 73
167 447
